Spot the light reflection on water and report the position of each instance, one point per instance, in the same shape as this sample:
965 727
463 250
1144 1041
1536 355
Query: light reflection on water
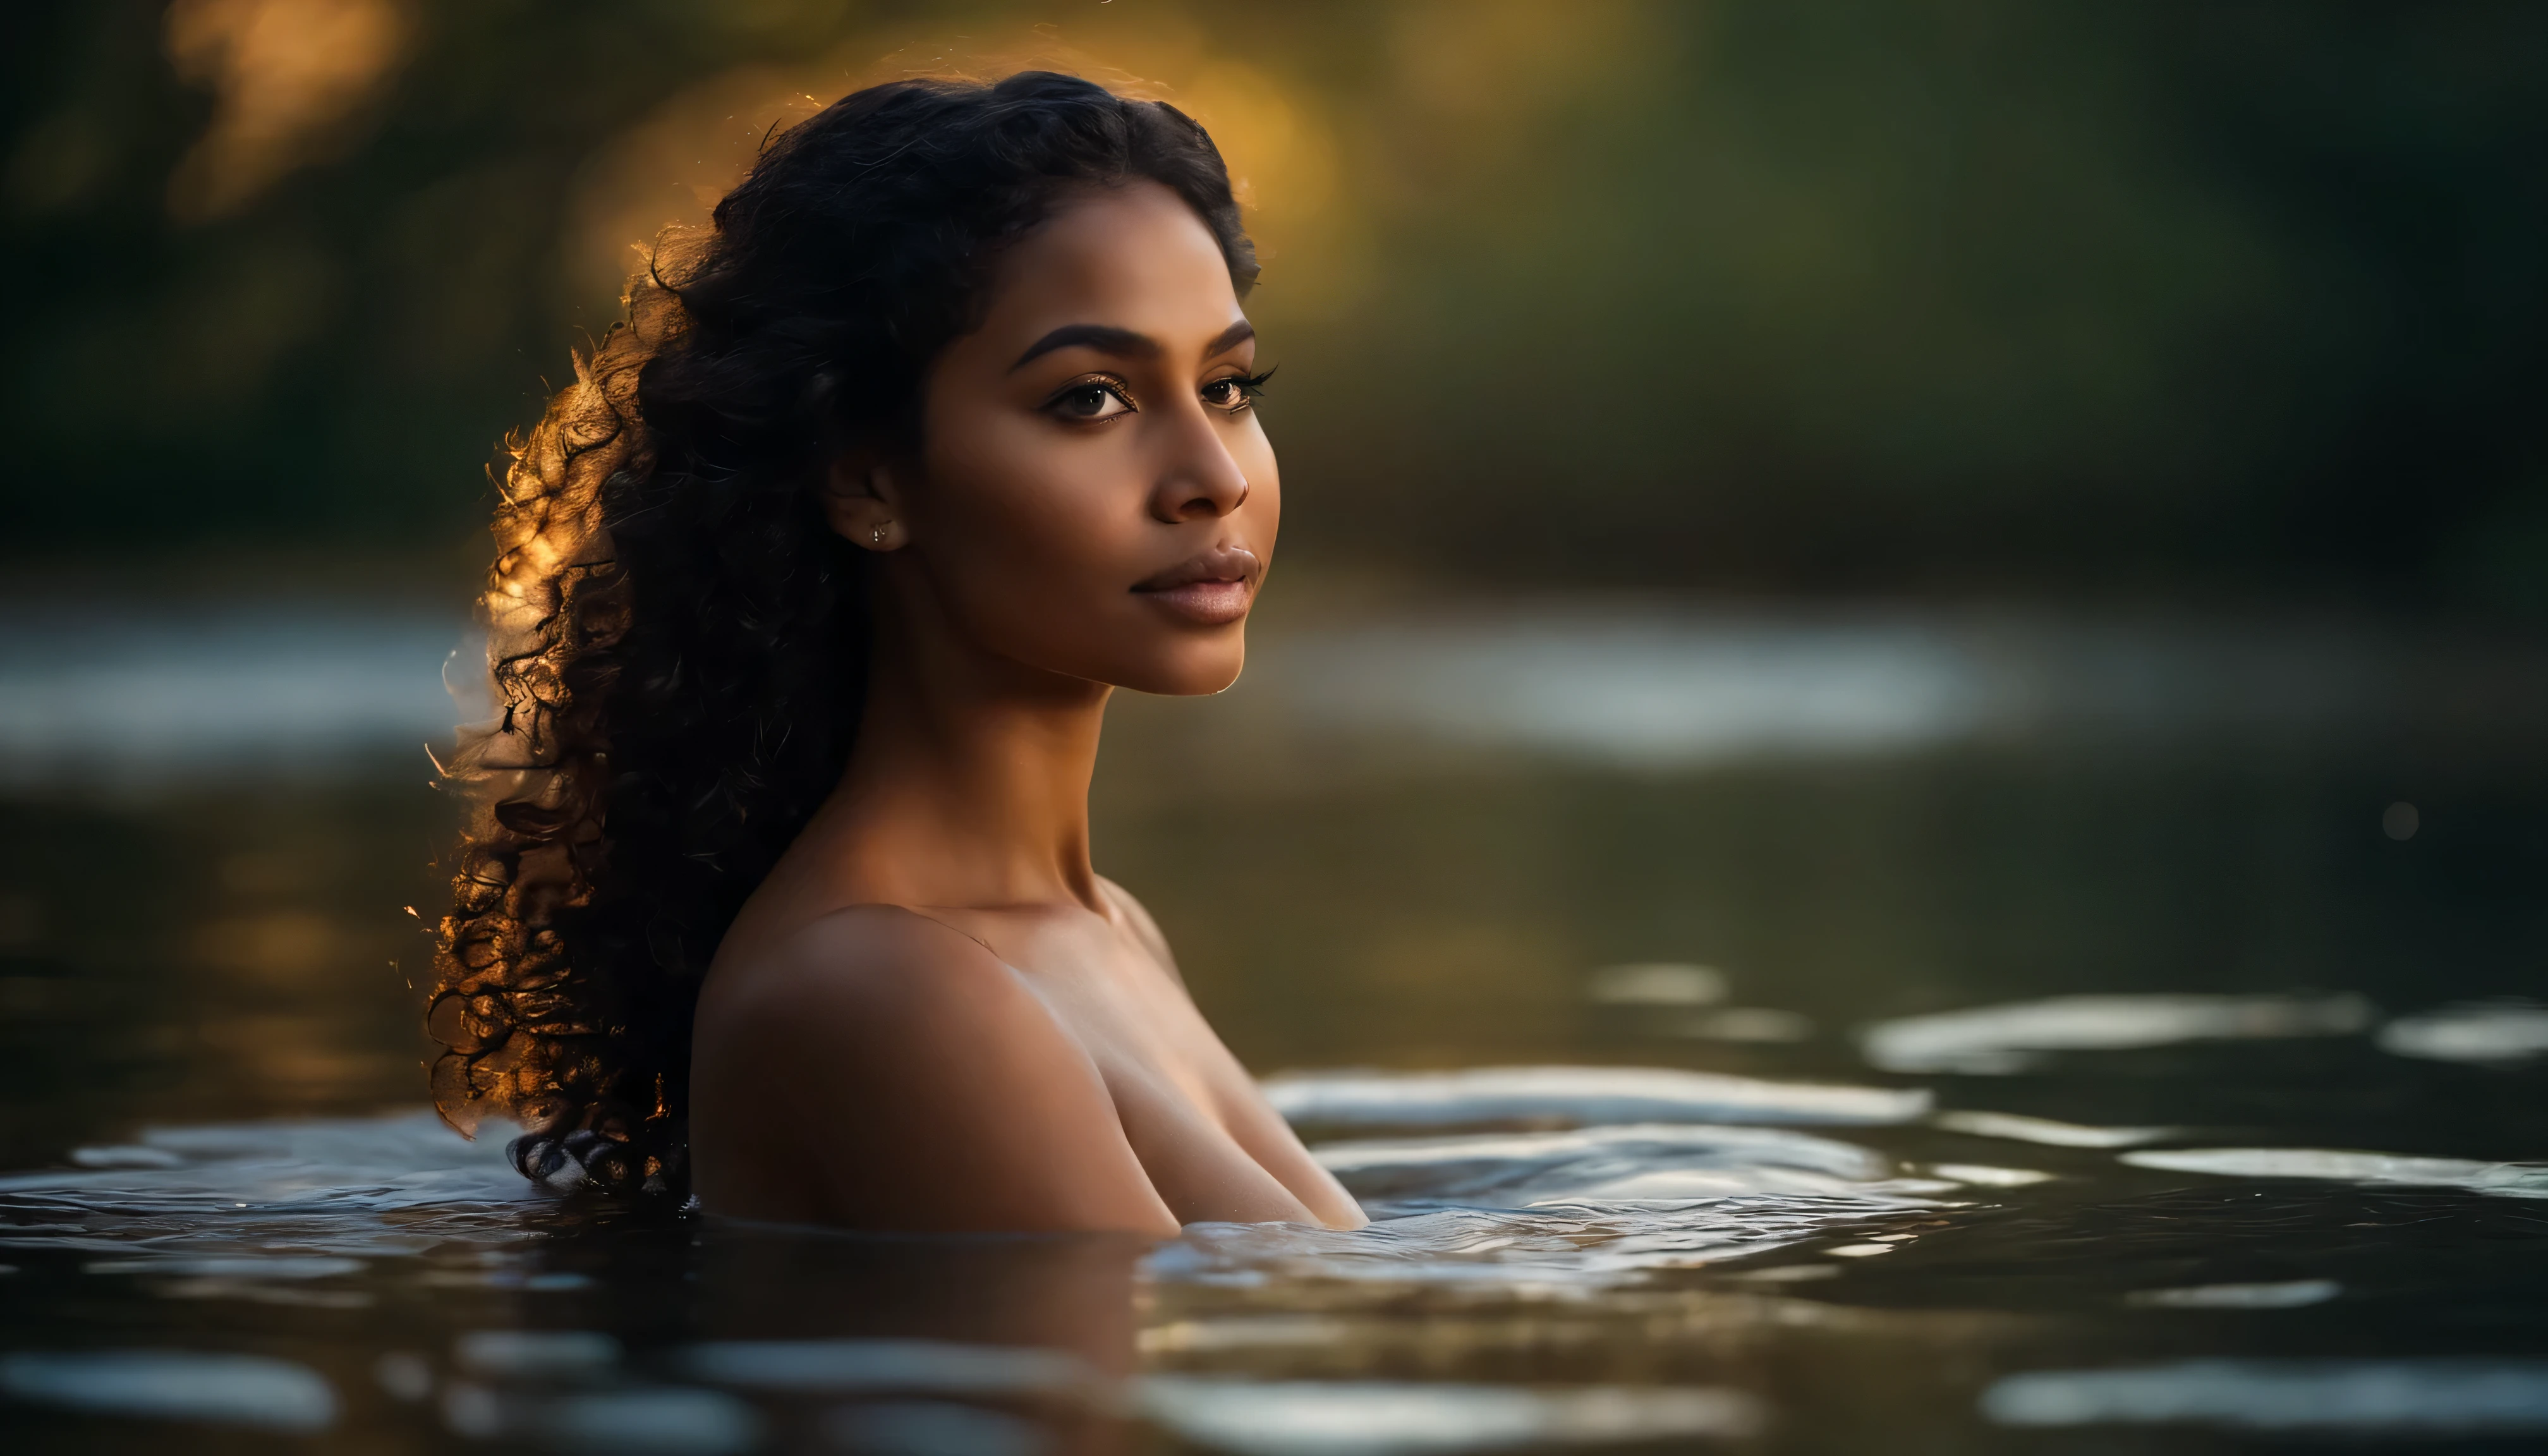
2361 1398
2507 1180
1752 1084
93 690
220 1390
2494 1033
1380 1419
2007 1038
96 689
1580 1094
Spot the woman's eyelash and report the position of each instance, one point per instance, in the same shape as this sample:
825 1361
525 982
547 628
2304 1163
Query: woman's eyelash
1250 385
1102 384
1250 388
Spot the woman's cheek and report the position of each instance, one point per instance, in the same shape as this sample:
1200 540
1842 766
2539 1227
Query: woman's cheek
1086 524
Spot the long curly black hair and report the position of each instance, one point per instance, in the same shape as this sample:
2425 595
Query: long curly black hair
676 641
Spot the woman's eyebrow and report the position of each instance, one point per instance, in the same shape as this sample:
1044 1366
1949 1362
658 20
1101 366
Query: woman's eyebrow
1230 339
1124 343
1105 338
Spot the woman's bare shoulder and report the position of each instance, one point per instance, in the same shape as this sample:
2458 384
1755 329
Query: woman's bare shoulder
875 964
940 1091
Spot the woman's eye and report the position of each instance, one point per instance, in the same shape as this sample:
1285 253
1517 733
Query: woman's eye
1091 402
1234 393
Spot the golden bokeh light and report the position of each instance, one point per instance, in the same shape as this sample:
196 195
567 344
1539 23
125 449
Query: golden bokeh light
289 77
670 167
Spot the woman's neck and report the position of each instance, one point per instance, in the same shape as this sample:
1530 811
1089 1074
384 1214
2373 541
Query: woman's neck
968 782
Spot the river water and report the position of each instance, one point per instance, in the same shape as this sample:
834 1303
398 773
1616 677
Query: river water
1750 1031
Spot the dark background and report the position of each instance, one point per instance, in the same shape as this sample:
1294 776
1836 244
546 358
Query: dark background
2185 301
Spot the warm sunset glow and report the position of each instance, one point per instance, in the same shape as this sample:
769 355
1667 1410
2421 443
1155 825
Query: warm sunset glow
288 77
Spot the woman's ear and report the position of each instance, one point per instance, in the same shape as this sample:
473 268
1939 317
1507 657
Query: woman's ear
860 501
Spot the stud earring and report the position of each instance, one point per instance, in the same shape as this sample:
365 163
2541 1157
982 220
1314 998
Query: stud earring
875 534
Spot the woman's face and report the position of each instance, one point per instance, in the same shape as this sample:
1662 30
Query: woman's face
1095 496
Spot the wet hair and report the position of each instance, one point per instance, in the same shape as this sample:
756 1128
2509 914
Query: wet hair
677 640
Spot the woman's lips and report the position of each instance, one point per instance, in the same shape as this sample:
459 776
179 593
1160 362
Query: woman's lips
1212 604
1214 589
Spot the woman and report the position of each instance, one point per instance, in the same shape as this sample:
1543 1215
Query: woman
808 598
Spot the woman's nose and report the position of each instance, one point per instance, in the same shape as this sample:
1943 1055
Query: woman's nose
1200 479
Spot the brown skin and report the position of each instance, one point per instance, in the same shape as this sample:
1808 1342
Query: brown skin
935 1014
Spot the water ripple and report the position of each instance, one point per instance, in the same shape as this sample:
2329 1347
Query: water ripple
1637 1162
2507 1180
1577 1095
347 1187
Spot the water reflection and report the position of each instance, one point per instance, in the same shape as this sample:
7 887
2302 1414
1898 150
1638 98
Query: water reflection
1653 687
1657 983
811 1311
96 690
842 1367
1379 1418
219 1389
639 1422
930 1428
1575 1094
2356 1397
2044 1130
2495 1032
2007 1038
2287 1294
2508 1180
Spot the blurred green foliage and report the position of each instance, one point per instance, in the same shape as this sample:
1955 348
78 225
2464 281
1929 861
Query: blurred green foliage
2216 297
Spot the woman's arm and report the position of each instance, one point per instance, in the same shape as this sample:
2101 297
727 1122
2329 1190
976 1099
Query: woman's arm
878 1070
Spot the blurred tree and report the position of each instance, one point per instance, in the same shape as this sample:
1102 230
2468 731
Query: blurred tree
2220 296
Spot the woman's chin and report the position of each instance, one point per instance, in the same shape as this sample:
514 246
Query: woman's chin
1200 670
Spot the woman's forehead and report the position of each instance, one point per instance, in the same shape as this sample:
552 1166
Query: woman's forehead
1133 257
